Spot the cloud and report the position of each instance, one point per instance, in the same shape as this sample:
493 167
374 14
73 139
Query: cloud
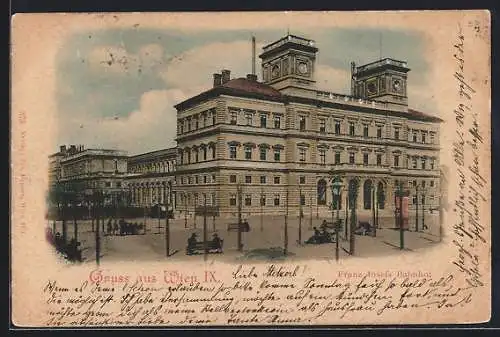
195 66
116 60
152 126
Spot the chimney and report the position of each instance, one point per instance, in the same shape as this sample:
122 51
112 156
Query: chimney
72 148
217 80
252 77
226 76
62 148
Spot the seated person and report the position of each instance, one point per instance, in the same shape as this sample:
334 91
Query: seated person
323 226
216 243
316 238
191 243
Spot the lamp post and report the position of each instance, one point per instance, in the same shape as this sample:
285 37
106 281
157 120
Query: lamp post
300 216
399 194
423 210
240 245
310 212
373 211
205 243
336 190
353 196
167 221
285 244
262 209
185 211
416 208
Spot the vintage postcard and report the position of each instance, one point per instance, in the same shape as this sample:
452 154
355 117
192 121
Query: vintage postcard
257 169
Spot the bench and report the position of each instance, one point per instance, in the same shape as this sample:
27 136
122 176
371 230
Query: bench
200 247
233 227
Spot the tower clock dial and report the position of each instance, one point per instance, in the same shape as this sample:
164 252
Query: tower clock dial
275 71
397 86
303 68
371 88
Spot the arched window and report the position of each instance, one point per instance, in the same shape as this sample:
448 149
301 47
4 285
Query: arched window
322 192
367 194
381 196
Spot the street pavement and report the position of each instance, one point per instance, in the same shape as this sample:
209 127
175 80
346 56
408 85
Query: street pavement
267 232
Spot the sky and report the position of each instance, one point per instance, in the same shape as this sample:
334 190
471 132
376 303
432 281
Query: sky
117 88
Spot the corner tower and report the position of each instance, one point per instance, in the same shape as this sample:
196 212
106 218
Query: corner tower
384 80
289 62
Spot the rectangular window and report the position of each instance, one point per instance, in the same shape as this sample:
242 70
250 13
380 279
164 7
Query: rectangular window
196 124
396 133
248 118
337 158
379 132
262 179
205 120
213 152
263 121
190 180
396 161
277 155
379 159
302 155
181 128
414 162
337 127
108 184
423 183
234 117
188 122
232 200
432 164
118 184
213 117
424 136
365 131
277 122
424 162
204 153
414 199
414 137
322 156
248 152
432 137
302 123
182 180
196 156
431 183
196 179
232 178
302 180
248 200
365 158
263 200
276 200
232 151
322 125
276 180
351 158
351 128
204 179
263 153
248 179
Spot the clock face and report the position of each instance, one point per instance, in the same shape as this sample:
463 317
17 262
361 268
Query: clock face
275 71
303 68
371 88
396 85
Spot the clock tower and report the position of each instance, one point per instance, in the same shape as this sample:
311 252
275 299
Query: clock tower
383 80
289 63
